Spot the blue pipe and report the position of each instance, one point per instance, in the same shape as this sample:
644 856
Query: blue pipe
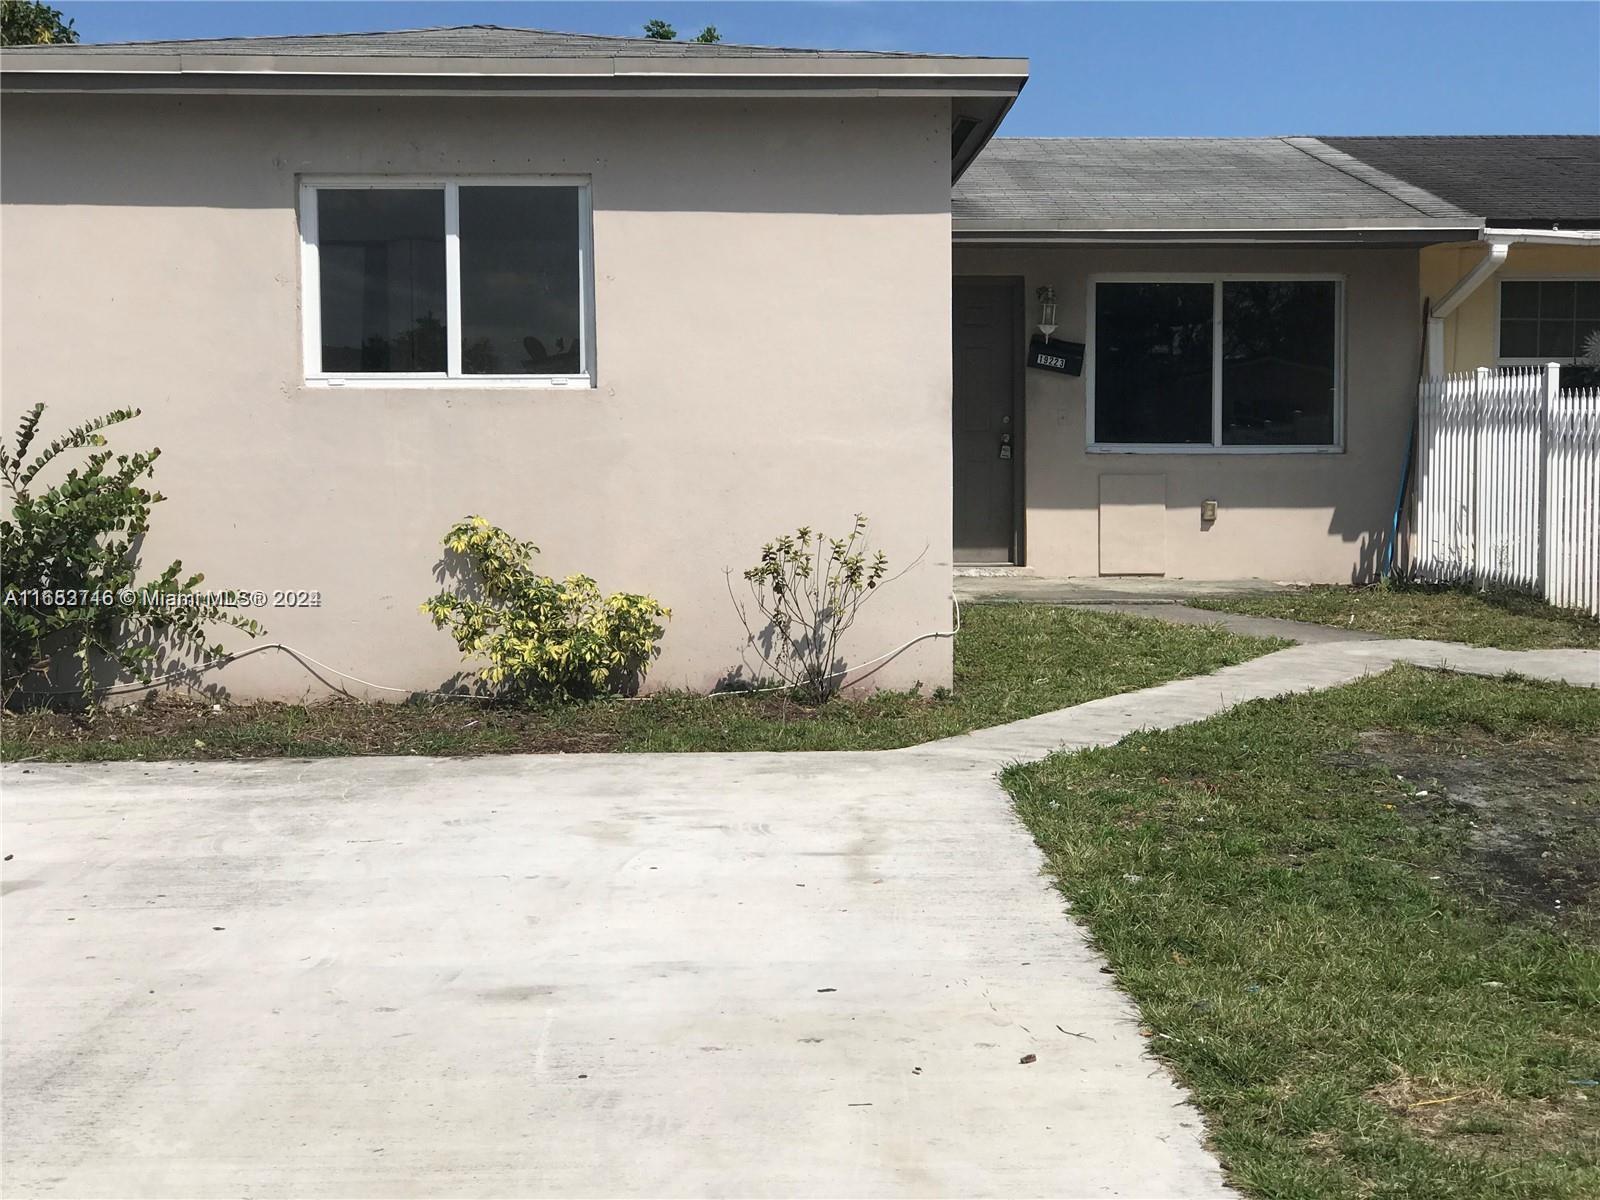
1387 570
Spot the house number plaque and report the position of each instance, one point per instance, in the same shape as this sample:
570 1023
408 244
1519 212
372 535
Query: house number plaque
1065 358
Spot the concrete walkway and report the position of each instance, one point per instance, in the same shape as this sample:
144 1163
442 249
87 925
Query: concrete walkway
1174 613
1012 585
802 974
1300 668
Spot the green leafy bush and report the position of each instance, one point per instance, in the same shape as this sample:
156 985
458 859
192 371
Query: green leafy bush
543 638
32 23
809 588
68 555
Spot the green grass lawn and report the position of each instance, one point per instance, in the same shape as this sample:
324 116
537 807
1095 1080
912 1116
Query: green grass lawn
1364 927
1503 619
1012 661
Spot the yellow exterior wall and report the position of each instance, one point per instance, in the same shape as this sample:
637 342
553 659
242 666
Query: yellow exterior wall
1470 333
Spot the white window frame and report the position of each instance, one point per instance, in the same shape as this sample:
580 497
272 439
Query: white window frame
1539 361
1216 445
452 377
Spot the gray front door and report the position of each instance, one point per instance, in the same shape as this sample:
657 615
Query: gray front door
986 445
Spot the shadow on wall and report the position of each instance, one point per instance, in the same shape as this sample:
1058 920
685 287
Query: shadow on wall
170 671
793 156
1281 506
758 676
1369 557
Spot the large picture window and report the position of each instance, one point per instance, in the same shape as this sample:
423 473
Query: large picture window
1215 363
417 282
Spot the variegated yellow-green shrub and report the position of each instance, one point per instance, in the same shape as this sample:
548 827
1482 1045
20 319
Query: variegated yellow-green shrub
543 638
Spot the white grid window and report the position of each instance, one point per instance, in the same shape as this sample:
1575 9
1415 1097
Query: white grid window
1547 320
472 281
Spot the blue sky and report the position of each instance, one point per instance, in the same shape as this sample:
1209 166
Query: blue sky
1110 69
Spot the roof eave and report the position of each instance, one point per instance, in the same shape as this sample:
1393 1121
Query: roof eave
131 69
990 112
1505 225
1419 232
982 87
679 87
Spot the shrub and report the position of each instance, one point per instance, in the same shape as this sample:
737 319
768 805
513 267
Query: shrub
543 639
809 588
69 557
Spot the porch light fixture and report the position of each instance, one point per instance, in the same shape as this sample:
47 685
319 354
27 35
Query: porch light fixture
1047 310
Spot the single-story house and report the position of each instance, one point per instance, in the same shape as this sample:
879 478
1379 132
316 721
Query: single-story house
651 303
1251 317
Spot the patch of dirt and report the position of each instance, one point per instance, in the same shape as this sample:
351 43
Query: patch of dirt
1462 1117
1531 815
266 730
171 727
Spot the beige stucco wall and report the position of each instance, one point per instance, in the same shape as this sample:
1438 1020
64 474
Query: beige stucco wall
1313 517
772 307
1471 332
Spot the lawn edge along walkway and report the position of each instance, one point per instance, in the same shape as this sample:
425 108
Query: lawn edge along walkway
1303 668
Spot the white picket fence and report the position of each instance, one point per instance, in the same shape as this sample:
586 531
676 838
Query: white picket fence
1508 484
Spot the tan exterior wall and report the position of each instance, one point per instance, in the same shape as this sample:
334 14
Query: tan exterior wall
1471 333
1310 517
772 310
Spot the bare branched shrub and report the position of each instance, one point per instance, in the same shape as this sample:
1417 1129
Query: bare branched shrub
810 588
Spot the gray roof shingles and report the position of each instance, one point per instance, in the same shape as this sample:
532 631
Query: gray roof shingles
1183 183
1539 179
460 41
1094 183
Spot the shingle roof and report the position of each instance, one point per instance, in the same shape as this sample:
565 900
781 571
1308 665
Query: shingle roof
499 61
460 41
1096 184
1505 180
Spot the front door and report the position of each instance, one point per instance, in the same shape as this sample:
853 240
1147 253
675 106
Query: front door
986 445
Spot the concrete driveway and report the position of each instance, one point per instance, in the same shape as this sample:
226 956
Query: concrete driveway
625 975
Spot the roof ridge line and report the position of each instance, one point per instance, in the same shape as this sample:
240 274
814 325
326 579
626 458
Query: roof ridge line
620 38
270 37
1389 185
1452 137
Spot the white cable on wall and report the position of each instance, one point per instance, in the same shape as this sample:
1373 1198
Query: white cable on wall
383 687
904 646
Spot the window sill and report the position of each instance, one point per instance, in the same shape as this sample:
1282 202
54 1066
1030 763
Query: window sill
1221 450
447 383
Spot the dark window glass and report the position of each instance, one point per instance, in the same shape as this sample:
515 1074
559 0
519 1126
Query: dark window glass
1519 339
1556 339
381 254
1548 319
1152 365
520 303
1588 300
1519 300
1278 371
1556 300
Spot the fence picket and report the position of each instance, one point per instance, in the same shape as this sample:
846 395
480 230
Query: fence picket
1508 484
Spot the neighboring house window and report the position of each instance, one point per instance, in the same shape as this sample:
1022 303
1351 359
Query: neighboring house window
1547 320
1216 363
414 282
